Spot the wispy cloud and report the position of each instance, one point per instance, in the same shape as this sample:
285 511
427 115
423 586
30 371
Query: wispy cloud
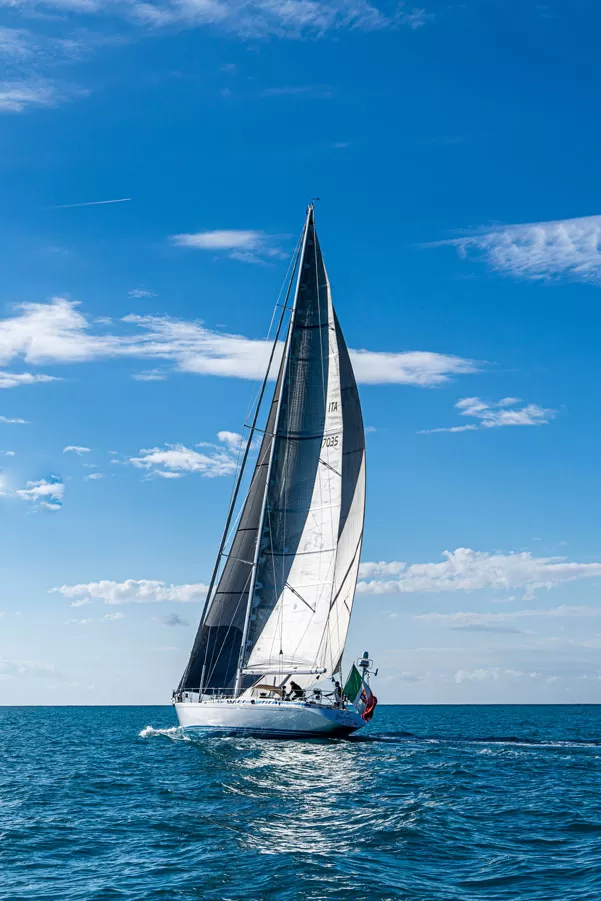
150 375
494 622
70 206
76 449
93 476
133 591
496 415
107 618
46 493
138 293
245 18
16 379
497 674
8 421
314 91
245 246
18 96
59 333
29 669
538 250
467 570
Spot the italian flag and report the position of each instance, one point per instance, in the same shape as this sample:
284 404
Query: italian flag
360 694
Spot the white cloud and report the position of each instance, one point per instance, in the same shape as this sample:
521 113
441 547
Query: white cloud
134 591
245 246
8 453
16 379
539 250
9 421
468 570
232 439
57 332
422 368
76 449
92 476
47 493
17 96
179 459
496 415
108 617
137 293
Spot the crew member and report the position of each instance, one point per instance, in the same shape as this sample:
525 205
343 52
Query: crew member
337 694
295 691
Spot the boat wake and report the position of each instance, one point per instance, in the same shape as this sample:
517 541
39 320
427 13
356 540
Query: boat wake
409 737
175 733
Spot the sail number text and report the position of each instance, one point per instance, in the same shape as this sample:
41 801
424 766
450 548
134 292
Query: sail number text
330 441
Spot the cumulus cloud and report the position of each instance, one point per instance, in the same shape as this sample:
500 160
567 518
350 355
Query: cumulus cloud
133 591
467 570
177 460
232 439
57 332
46 493
76 449
539 250
496 415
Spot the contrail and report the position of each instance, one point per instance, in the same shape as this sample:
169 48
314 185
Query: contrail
68 206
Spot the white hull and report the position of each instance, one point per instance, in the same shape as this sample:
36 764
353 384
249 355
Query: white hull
266 717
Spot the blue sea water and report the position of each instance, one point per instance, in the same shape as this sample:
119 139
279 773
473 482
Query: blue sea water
441 803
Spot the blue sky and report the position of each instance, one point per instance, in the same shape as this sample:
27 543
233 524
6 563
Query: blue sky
454 149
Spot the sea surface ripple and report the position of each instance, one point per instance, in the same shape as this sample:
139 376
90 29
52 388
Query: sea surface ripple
442 803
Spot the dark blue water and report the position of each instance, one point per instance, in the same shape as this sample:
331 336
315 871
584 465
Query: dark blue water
430 803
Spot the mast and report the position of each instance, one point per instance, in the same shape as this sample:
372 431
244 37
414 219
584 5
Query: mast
284 366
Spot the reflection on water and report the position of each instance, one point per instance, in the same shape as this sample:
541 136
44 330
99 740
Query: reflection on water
429 804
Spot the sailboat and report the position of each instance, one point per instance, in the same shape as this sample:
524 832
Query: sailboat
271 637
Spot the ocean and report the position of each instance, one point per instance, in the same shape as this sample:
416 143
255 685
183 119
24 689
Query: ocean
435 802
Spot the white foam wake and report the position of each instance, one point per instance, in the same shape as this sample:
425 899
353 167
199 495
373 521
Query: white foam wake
175 733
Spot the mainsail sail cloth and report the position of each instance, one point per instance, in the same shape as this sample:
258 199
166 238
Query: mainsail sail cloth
283 601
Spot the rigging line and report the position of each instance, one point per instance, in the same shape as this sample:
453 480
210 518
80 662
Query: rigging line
247 449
